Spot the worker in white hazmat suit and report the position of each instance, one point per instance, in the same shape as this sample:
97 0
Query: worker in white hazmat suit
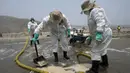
31 27
59 27
101 34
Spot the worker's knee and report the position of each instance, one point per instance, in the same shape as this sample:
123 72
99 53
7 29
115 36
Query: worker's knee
95 56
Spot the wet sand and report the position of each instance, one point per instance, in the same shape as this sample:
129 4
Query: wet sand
118 53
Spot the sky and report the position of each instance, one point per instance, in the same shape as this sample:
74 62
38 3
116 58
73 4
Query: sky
117 11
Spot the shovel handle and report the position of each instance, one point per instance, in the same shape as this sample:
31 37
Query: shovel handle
36 49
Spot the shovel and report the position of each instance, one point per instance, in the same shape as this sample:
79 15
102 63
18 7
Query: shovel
40 60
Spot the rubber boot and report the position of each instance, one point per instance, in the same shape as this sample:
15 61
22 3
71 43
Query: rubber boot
31 42
65 55
94 68
38 42
104 64
56 57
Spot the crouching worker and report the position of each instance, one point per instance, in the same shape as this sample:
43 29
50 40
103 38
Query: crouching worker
101 33
31 27
60 30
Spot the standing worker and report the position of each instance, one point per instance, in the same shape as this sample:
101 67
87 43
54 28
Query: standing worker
31 27
60 29
101 33
118 29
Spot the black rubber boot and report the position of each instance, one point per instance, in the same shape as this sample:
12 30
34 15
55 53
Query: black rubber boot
38 42
94 68
56 57
104 64
65 55
31 42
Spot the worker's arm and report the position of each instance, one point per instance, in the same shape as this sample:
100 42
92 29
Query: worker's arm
39 28
29 26
67 25
99 18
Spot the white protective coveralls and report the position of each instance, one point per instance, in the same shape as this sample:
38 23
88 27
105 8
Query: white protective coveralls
32 27
98 22
58 31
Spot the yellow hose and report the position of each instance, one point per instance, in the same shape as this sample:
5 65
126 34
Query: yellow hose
83 54
23 65
34 69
